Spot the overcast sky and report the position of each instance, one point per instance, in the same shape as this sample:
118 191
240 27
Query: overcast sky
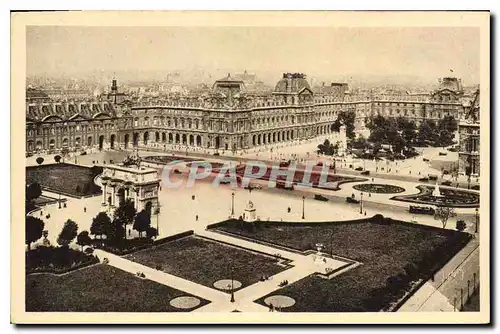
318 52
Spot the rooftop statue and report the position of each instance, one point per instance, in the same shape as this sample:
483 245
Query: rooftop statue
133 159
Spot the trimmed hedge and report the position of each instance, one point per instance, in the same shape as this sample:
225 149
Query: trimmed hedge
129 246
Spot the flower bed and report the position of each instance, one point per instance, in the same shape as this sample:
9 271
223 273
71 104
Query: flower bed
165 159
73 180
379 188
56 260
299 176
449 197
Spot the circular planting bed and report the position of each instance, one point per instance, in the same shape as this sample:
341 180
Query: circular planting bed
448 197
280 301
225 284
379 188
185 302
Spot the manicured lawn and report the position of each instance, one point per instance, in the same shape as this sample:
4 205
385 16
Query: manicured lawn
70 179
99 288
204 261
165 159
392 254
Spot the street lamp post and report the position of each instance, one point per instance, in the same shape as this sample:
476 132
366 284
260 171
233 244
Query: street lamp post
477 219
232 283
232 204
59 200
303 207
361 204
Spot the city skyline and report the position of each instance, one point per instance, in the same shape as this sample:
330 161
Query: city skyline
205 53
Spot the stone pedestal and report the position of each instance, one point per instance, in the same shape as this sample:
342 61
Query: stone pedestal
250 214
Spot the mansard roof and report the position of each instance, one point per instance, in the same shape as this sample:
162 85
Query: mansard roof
61 111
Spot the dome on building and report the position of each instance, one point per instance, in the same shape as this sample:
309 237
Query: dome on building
292 83
450 83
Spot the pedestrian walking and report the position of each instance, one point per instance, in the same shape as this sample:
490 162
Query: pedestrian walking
84 209
196 217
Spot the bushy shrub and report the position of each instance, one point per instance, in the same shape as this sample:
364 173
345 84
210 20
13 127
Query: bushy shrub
461 225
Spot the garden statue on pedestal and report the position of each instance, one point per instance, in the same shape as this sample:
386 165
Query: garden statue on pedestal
250 215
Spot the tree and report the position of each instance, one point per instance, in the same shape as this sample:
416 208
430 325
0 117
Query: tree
398 144
57 158
100 224
444 213
448 123
33 191
83 239
115 231
142 221
39 160
34 230
68 233
125 212
347 118
445 138
427 132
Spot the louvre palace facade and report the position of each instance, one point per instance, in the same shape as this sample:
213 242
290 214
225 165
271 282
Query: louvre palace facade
228 117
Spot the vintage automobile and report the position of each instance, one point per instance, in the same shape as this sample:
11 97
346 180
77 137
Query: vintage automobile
433 177
446 183
359 168
424 210
365 172
320 198
443 153
282 185
423 179
351 200
253 186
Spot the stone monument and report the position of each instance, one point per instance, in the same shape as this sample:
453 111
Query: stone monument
250 215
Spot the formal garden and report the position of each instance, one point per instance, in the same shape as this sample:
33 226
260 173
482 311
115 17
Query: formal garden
448 197
209 262
102 288
378 188
165 159
395 256
68 179
315 177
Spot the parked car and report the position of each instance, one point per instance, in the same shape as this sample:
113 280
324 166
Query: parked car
253 186
359 168
425 159
424 210
351 200
433 177
216 154
365 172
475 187
320 198
281 185
443 153
423 179
446 183
452 149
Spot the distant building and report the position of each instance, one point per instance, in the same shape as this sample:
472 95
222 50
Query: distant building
114 96
74 124
469 139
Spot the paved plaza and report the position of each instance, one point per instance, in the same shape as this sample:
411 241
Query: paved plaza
194 208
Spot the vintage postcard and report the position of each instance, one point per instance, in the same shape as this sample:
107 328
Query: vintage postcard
250 167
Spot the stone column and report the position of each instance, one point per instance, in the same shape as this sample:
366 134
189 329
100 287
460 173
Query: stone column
113 195
104 194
